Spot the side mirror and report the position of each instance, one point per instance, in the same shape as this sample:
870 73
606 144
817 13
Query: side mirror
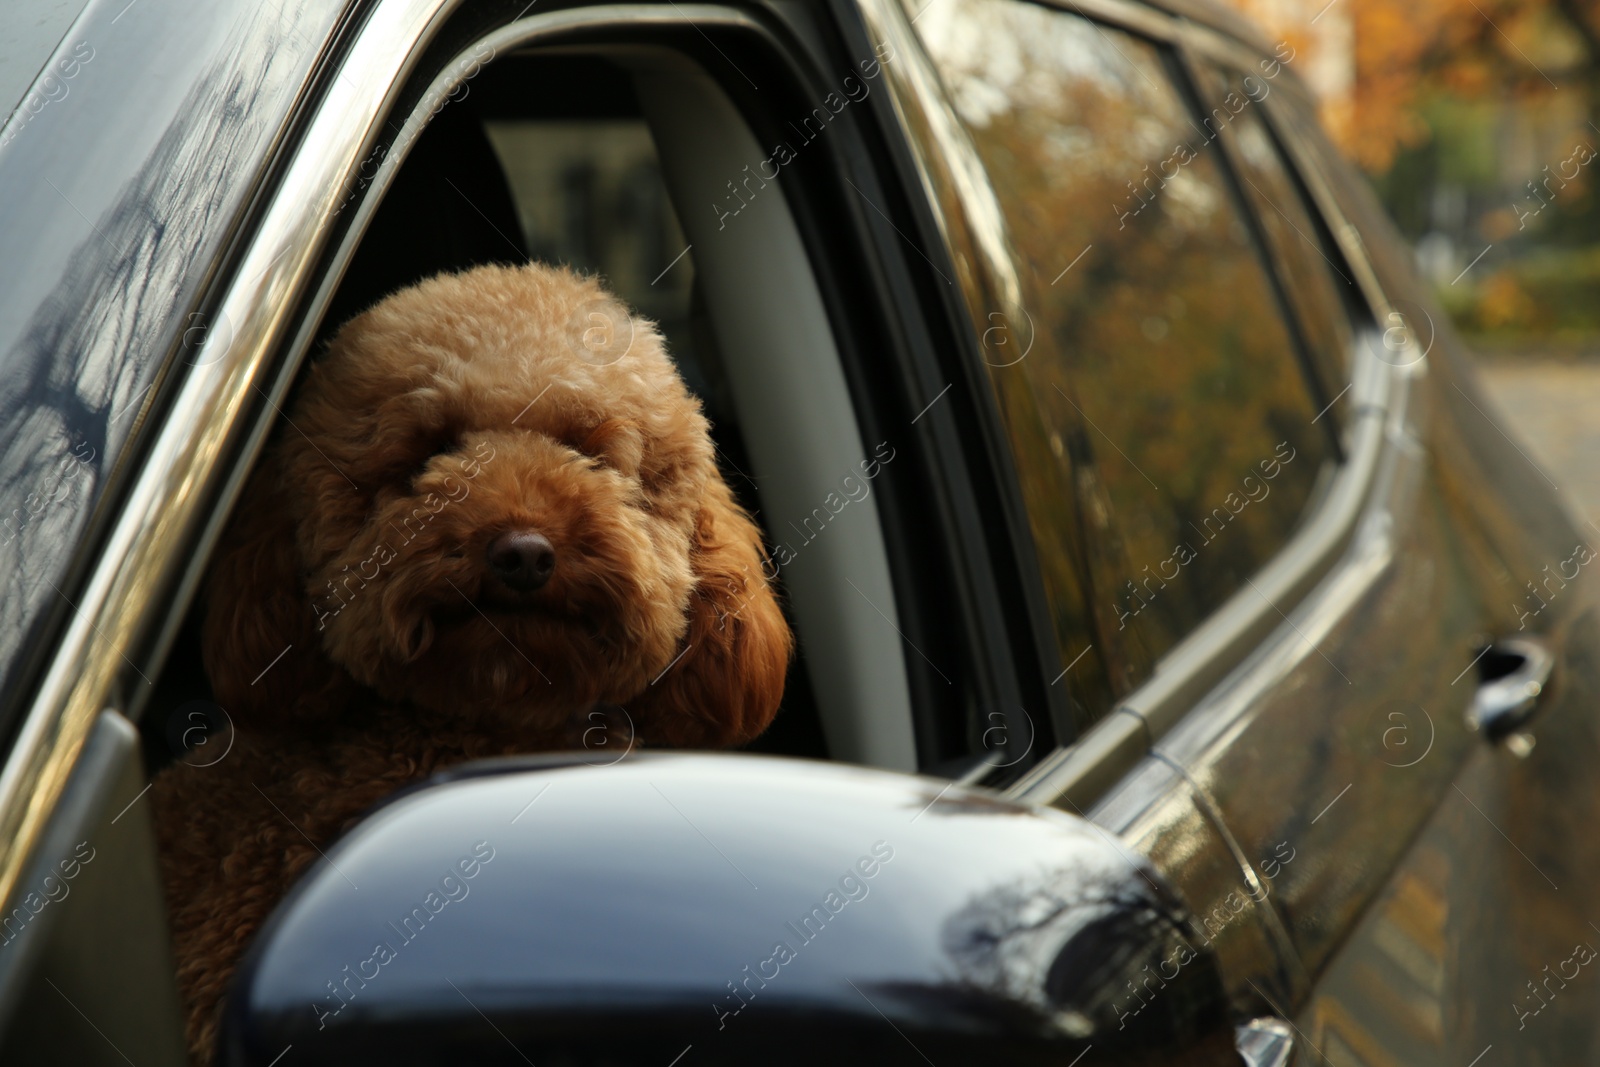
689 909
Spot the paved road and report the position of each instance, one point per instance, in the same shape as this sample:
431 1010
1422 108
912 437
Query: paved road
1554 413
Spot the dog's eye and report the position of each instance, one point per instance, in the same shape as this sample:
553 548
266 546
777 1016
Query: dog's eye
616 443
585 444
443 448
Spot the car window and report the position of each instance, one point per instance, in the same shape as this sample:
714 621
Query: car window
1319 285
1177 418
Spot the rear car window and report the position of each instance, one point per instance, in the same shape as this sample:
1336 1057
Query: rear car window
1319 284
1179 428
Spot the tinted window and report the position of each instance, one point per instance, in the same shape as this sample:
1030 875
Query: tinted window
1318 284
1177 424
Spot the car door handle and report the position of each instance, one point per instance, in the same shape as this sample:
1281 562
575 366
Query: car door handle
1265 1042
1516 673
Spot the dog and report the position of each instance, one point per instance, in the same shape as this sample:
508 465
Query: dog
492 518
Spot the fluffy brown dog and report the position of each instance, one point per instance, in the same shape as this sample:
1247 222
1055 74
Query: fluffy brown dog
495 506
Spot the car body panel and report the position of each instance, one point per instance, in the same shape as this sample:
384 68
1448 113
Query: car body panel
1162 816
1481 839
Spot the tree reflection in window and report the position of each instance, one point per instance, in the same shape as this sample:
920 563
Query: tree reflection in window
1178 424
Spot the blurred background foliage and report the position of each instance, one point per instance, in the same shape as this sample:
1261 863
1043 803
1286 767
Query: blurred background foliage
1477 122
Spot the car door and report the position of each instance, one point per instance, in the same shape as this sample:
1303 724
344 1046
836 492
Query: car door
1315 718
1417 979
1477 944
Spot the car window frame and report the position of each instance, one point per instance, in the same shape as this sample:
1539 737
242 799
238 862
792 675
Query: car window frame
943 182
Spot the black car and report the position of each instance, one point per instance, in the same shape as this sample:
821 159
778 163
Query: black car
1173 619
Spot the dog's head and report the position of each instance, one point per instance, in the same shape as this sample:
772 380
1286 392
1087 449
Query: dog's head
495 498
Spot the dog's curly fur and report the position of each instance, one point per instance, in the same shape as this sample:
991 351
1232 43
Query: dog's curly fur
462 408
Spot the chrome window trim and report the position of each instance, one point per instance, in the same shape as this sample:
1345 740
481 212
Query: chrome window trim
1221 646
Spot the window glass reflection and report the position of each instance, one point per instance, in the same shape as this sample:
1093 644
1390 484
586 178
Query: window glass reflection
1177 426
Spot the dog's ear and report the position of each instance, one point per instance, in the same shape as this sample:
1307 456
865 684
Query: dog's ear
725 686
259 642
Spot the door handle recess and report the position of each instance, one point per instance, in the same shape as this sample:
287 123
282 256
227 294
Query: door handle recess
1265 1042
1516 673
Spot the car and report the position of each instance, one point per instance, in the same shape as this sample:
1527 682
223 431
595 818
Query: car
1191 668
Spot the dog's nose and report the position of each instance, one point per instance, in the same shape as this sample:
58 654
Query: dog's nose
522 559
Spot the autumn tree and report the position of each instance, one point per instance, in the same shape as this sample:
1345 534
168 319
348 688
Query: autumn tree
1404 51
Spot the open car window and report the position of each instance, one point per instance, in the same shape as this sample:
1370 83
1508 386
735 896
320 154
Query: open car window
515 169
